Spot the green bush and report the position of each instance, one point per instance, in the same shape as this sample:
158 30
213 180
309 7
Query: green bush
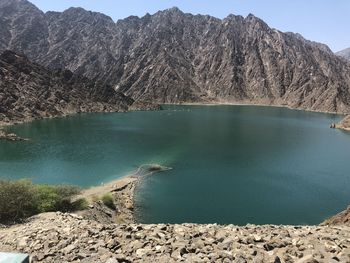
17 200
80 204
22 199
107 199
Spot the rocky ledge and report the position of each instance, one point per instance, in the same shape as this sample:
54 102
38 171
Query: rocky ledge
58 237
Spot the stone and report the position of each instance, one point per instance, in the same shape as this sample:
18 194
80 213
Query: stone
68 249
23 242
258 238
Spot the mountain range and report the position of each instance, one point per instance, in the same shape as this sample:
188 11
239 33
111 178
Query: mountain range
344 53
175 57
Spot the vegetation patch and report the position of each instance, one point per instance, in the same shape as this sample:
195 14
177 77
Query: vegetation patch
107 199
22 199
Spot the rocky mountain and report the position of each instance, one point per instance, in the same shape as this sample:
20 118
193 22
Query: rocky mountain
176 57
344 53
29 91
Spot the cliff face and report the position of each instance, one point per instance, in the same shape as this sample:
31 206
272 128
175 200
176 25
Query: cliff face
176 57
29 91
344 53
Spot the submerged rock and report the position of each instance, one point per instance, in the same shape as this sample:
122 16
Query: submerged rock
10 137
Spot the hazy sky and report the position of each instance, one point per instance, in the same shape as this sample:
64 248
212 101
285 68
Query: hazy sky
326 21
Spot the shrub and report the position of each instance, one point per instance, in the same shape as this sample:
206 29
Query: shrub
47 198
80 204
22 199
17 200
65 193
107 199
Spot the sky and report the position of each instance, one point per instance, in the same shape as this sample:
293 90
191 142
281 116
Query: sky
325 21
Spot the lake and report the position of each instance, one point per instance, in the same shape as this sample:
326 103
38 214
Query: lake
231 164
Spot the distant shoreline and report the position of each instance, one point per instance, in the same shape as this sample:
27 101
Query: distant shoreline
214 103
252 104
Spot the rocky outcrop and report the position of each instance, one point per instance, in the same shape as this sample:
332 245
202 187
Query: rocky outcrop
29 91
122 192
344 53
57 237
342 218
175 57
344 124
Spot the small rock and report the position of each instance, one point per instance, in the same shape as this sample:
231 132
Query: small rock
112 260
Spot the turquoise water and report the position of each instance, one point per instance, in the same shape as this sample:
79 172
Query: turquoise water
231 164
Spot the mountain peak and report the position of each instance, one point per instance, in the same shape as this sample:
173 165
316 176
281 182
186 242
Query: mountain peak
252 18
18 4
171 11
174 9
80 12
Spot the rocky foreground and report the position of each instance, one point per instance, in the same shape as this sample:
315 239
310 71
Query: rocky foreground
58 237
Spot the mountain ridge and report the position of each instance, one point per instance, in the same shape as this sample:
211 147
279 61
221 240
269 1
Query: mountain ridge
176 57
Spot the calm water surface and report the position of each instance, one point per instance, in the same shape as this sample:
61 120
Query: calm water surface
231 164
